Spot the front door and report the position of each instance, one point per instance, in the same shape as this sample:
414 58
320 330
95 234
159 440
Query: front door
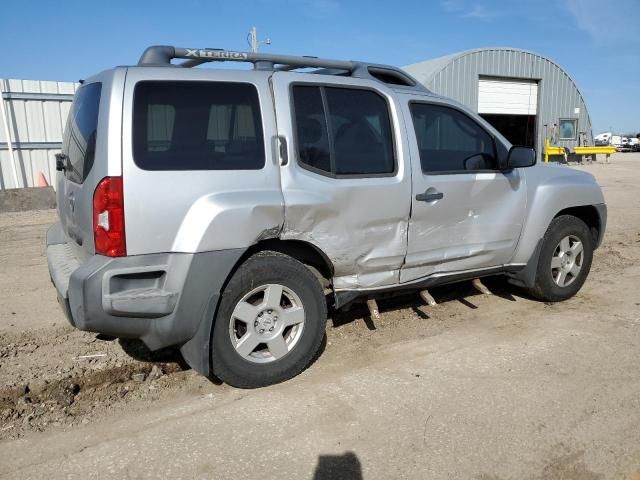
466 214
345 178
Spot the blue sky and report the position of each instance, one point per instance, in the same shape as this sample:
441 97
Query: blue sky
597 42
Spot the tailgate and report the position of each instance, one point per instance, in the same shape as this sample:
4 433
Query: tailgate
88 156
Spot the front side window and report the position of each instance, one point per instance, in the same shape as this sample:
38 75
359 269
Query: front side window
568 129
450 141
343 131
197 126
81 132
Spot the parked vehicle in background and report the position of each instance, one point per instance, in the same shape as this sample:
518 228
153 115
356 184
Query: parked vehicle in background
615 140
624 145
220 211
602 139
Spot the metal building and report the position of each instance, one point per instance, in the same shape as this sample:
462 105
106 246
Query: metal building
526 96
34 113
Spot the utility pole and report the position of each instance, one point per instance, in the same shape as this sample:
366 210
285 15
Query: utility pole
253 40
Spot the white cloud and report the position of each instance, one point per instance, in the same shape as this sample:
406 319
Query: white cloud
480 12
451 6
613 23
469 10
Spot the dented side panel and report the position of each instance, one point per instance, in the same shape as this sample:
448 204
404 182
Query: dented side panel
359 223
222 221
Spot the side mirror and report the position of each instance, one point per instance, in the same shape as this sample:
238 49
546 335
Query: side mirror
521 157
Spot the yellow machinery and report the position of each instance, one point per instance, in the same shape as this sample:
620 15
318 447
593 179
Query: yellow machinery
551 150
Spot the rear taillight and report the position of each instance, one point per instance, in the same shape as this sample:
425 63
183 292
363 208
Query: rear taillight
108 218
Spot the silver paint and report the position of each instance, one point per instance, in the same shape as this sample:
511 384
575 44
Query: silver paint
359 223
371 229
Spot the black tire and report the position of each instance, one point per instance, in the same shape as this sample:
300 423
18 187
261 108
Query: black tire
545 288
265 268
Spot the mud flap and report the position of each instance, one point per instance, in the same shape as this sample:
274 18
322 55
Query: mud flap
527 276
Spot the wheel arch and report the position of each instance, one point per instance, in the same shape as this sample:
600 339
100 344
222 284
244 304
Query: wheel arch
196 351
302 251
593 215
590 216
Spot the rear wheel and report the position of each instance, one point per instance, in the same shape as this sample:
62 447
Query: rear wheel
270 323
565 259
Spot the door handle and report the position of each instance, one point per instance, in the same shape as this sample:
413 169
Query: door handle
429 196
282 149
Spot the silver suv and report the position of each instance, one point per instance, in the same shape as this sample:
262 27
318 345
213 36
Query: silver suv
221 211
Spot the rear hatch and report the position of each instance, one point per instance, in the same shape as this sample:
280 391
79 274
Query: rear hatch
86 156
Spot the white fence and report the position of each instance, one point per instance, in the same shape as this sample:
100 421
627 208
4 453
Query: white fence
34 115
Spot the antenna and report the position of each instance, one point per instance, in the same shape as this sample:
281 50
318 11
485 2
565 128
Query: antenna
252 39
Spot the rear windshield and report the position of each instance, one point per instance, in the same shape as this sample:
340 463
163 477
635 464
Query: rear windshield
197 126
80 134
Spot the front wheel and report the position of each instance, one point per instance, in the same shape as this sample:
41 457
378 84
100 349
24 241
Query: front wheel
565 259
270 323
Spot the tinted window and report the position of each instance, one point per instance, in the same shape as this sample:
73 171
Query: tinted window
81 131
197 126
313 142
343 131
450 141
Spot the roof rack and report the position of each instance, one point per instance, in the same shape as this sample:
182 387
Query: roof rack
161 55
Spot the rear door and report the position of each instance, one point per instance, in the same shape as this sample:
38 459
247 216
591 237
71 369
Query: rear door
466 213
345 184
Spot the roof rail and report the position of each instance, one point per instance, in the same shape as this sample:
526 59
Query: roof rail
161 55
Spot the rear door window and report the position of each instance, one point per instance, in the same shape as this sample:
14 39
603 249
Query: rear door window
197 126
343 131
81 132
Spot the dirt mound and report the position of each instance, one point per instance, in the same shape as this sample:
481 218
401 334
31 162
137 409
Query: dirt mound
61 377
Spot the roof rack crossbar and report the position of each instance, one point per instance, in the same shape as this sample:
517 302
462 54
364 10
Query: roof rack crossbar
162 55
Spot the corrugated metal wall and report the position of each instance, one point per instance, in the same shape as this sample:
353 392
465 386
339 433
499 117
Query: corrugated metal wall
37 113
558 96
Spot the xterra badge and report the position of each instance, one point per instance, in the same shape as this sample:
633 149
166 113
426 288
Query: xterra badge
226 54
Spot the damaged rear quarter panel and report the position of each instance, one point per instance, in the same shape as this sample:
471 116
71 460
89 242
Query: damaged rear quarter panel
237 219
362 234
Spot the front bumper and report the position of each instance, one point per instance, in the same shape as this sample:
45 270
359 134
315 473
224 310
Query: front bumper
163 298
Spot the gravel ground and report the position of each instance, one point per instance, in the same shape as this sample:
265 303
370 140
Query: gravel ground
487 387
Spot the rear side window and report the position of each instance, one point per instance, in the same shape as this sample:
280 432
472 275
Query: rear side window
81 132
197 126
450 141
343 131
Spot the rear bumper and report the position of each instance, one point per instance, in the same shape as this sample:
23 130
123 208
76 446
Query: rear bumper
163 299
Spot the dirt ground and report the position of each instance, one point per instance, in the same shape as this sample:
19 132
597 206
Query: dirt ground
486 387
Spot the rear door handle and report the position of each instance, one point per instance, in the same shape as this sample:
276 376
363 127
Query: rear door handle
430 196
282 149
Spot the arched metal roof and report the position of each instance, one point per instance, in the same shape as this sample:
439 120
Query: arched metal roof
456 76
